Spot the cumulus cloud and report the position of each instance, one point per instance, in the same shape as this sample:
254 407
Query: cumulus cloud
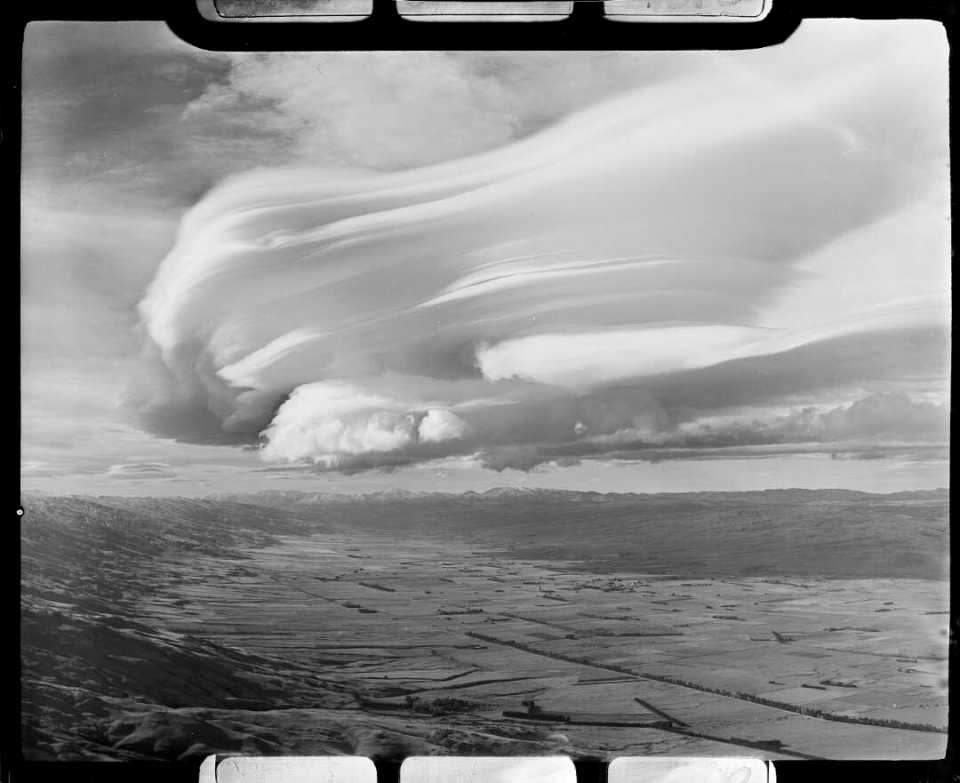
440 425
326 422
625 280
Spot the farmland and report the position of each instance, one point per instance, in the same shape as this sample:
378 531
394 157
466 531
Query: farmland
394 626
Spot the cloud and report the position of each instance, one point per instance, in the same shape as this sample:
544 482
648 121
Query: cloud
141 470
885 415
614 354
35 467
619 285
377 110
327 422
101 112
587 359
439 425
882 425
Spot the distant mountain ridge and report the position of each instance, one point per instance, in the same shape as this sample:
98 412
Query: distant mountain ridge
832 533
793 495
304 497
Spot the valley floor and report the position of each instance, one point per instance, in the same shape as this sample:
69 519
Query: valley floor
369 643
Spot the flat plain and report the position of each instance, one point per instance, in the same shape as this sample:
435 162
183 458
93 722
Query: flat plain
808 624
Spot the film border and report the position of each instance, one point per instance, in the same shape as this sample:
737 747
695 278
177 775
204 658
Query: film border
585 29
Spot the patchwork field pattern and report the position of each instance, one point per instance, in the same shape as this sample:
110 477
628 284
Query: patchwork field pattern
303 625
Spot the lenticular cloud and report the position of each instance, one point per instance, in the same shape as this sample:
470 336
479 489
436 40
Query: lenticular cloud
611 279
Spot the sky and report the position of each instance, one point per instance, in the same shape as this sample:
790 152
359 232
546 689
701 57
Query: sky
617 271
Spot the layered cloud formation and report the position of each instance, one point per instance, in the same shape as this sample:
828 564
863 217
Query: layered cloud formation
141 470
727 258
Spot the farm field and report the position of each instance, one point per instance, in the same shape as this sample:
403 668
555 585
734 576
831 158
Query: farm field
285 631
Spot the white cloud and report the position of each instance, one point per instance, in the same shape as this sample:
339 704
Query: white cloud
141 470
710 239
329 422
394 110
440 425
